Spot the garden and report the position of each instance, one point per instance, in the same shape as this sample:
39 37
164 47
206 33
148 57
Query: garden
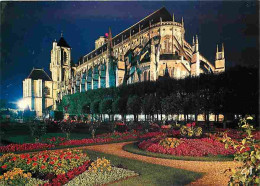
54 161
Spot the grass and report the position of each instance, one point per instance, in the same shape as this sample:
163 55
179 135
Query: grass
133 148
20 133
150 174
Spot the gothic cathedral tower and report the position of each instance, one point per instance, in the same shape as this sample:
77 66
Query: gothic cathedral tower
60 68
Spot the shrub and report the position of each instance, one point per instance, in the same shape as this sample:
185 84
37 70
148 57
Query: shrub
37 129
248 153
66 127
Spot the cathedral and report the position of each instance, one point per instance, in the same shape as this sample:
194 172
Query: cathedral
151 48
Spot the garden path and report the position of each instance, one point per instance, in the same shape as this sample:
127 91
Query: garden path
214 171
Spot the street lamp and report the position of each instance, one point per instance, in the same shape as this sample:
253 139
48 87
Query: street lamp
22 104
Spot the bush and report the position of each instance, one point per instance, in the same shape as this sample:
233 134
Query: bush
38 129
248 153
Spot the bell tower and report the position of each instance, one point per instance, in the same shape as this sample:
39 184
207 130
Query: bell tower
60 67
220 60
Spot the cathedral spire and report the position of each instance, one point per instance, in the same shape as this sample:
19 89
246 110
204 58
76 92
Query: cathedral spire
109 38
217 52
61 34
197 44
173 17
193 42
223 51
182 21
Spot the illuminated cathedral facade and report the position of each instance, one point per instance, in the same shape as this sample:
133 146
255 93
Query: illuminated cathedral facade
151 48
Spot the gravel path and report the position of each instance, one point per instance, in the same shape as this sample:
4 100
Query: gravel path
214 171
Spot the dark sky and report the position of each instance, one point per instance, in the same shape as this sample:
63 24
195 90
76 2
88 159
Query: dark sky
29 28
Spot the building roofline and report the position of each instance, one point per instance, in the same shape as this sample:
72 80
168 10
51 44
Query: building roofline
28 77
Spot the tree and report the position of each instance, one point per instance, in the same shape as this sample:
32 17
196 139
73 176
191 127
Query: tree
94 107
106 107
119 106
134 106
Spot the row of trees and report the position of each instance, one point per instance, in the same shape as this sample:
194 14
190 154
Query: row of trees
229 93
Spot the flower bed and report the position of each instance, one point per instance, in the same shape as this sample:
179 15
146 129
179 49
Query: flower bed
25 147
51 162
111 137
238 134
48 167
101 178
187 147
52 168
57 142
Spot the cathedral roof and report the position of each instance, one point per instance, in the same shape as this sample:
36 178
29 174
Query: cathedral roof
39 74
144 23
134 29
63 43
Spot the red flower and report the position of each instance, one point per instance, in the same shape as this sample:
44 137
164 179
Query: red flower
188 125
193 124
43 167
52 162
14 159
34 164
4 166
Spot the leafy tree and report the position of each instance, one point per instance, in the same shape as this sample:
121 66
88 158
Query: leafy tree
106 107
119 106
134 106
94 107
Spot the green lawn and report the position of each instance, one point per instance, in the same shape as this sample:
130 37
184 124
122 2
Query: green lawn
133 148
150 174
20 133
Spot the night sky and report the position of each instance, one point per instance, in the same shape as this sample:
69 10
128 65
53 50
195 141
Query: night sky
29 28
